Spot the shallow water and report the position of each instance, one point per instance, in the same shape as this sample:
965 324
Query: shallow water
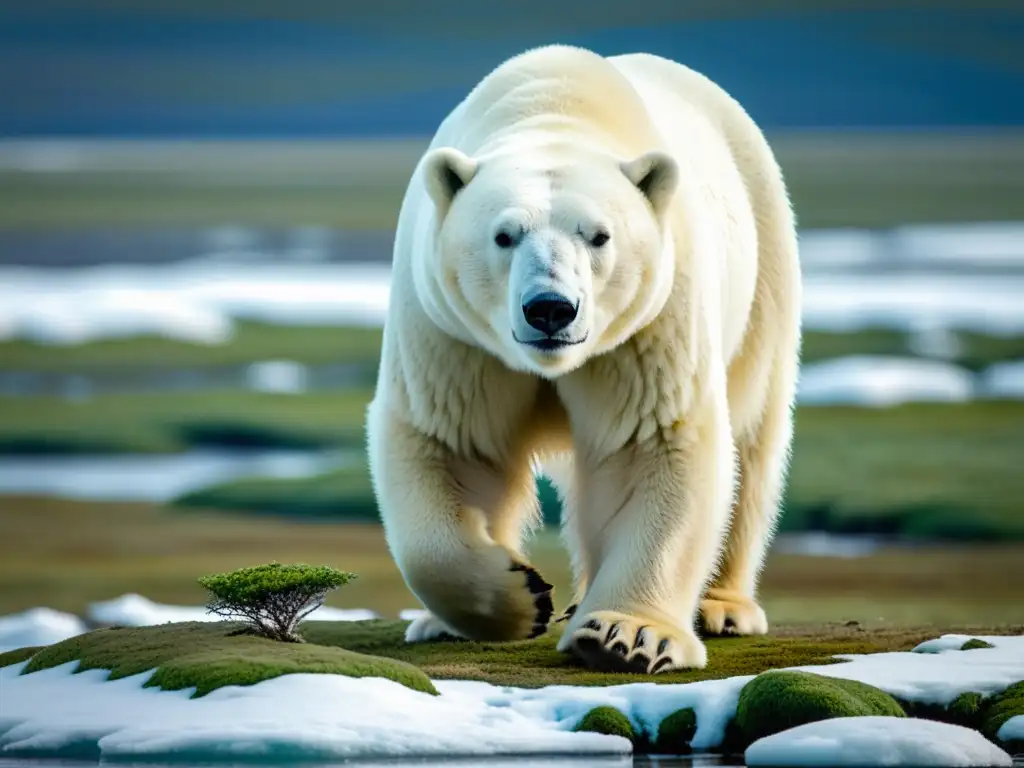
693 761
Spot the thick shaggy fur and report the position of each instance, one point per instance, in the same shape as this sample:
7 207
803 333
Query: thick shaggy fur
640 190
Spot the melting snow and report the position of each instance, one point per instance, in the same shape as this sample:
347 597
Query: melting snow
329 717
870 741
37 626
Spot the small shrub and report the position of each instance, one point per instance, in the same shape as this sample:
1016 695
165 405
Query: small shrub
676 732
272 598
975 643
607 720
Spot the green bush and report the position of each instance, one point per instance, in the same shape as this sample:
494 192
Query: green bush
676 732
779 700
607 720
272 598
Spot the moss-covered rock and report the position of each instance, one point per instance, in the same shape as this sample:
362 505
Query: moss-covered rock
967 710
676 732
606 720
777 701
975 643
210 655
1001 708
17 655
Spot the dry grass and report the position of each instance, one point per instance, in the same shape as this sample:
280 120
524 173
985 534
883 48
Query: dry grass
67 554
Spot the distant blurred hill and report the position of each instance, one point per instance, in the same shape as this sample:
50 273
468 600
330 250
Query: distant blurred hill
386 67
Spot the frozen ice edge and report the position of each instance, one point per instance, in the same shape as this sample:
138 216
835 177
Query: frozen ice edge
335 717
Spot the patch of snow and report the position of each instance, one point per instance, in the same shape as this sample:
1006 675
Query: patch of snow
995 243
1012 729
330 717
37 626
133 610
199 299
941 672
157 478
411 614
326 717
277 377
879 381
820 544
909 301
1004 380
870 741
841 247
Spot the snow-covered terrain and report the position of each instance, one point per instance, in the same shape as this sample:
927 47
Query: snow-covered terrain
37 626
328 717
915 277
870 741
137 611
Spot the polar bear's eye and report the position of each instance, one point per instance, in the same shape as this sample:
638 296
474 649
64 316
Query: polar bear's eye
600 239
503 240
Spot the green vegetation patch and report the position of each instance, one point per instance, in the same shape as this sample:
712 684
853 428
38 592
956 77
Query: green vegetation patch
173 422
1001 708
974 644
18 655
250 342
606 720
676 732
537 663
345 494
210 655
779 700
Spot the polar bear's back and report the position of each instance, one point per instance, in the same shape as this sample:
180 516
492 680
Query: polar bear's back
548 89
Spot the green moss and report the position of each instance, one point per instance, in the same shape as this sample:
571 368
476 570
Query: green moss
676 732
1001 708
966 710
209 655
776 701
537 663
606 720
975 643
17 655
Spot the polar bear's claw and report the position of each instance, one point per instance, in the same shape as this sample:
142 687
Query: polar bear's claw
615 642
726 612
541 591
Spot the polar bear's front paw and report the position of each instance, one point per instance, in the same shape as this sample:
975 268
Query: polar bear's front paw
727 612
616 642
540 592
427 627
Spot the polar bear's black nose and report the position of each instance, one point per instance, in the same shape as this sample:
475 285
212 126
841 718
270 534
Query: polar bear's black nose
549 312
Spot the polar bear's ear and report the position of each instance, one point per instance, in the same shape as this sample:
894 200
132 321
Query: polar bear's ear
446 170
655 174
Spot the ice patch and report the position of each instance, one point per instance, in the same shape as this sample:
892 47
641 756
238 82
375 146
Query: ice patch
133 610
1012 729
328 717
879 381
37 626
871 741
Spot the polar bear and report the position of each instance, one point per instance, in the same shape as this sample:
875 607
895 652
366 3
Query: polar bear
595 276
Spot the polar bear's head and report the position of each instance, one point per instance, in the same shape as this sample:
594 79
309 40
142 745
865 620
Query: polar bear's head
547 257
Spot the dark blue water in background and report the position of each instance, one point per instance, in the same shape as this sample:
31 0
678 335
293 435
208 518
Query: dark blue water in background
167 69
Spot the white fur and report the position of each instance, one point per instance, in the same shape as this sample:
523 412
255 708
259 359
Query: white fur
667 416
